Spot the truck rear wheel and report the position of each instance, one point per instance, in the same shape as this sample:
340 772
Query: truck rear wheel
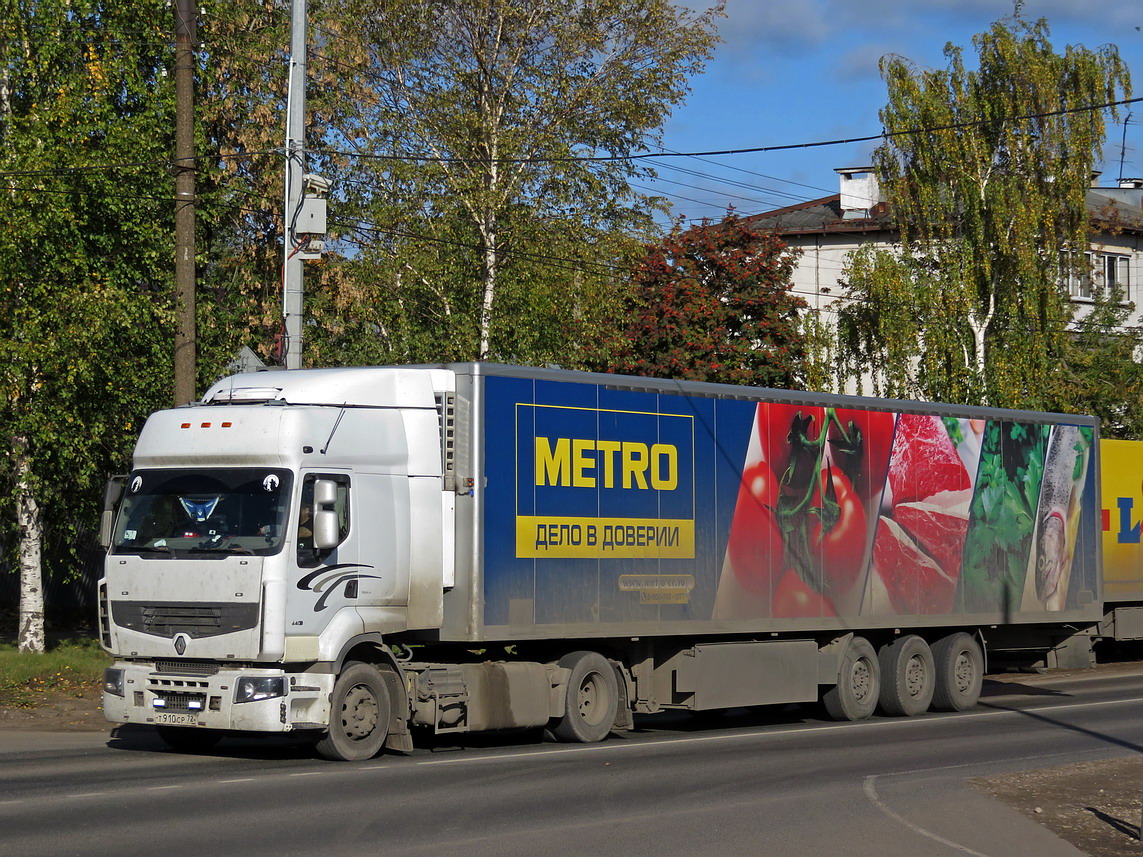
359 715
960 672
592 699
908 676
855 695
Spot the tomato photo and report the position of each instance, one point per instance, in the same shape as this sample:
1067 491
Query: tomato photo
837 532
789 434
863 449
755 538
793 598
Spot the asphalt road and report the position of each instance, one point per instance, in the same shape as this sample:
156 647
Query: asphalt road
768 782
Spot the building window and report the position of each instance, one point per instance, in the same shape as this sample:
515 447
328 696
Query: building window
1103 270
1078 280
1116 272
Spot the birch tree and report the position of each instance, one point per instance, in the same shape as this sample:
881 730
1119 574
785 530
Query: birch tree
473 157
82 307
986 170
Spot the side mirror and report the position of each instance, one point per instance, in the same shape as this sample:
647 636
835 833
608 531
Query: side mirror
327 532
106 522
112 494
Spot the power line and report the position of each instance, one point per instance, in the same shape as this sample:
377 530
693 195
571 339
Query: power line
730 182
818 190
161 162
576 264
884 135
415 157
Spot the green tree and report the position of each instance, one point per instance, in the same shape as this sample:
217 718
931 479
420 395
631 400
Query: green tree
473 188
84 264
986 170
1101 375
241 93
713 303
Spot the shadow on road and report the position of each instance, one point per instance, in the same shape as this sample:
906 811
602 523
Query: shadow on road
1015 688
1124 827
144 739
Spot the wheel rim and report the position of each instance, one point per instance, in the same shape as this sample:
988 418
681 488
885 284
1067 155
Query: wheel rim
861 680
359 713
964 672
591 698
916 676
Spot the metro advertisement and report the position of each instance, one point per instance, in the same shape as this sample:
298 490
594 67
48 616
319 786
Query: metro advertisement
613 505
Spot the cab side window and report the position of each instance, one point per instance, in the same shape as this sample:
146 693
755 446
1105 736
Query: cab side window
308 555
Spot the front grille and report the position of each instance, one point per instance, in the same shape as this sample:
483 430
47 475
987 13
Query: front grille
177 701
204 669
194 620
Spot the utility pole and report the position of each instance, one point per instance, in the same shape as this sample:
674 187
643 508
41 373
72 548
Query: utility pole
295 170
185 333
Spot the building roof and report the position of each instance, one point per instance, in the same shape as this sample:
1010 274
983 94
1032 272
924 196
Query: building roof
823 215
1119 208
1115 208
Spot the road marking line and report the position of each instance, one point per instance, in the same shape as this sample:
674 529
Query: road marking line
87 794
757 732
1093 751
239 780
870 789
164 788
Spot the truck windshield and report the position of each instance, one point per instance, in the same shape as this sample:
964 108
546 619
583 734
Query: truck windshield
234 510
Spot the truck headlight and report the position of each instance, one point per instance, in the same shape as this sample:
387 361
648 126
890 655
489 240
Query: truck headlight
255 688
113 681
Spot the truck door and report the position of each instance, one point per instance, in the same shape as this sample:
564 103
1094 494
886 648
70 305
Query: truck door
328 578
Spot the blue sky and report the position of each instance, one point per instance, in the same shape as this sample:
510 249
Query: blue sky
799 71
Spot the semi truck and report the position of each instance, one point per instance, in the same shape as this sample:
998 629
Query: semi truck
362 556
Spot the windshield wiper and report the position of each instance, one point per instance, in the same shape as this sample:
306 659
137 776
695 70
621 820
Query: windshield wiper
160 549
221 547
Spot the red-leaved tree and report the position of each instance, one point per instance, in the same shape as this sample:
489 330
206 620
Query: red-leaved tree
713 303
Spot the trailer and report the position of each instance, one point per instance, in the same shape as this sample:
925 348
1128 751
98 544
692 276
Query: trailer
1121 477
362 555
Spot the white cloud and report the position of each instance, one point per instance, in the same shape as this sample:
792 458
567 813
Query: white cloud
861 62
784 26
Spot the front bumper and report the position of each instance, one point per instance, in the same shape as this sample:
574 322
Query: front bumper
203 696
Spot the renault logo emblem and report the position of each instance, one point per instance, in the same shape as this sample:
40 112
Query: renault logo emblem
181 643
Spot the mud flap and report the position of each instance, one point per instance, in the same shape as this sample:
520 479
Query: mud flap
624 719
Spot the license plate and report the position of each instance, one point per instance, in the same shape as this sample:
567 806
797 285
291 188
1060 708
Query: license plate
173 719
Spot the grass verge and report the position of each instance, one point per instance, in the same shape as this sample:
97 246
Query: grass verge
68 668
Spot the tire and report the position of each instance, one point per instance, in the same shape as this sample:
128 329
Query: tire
359 715
908 677
858 687
188 739
592 699
960 672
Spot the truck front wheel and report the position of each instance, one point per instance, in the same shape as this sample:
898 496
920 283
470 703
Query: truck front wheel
592 699
359 715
